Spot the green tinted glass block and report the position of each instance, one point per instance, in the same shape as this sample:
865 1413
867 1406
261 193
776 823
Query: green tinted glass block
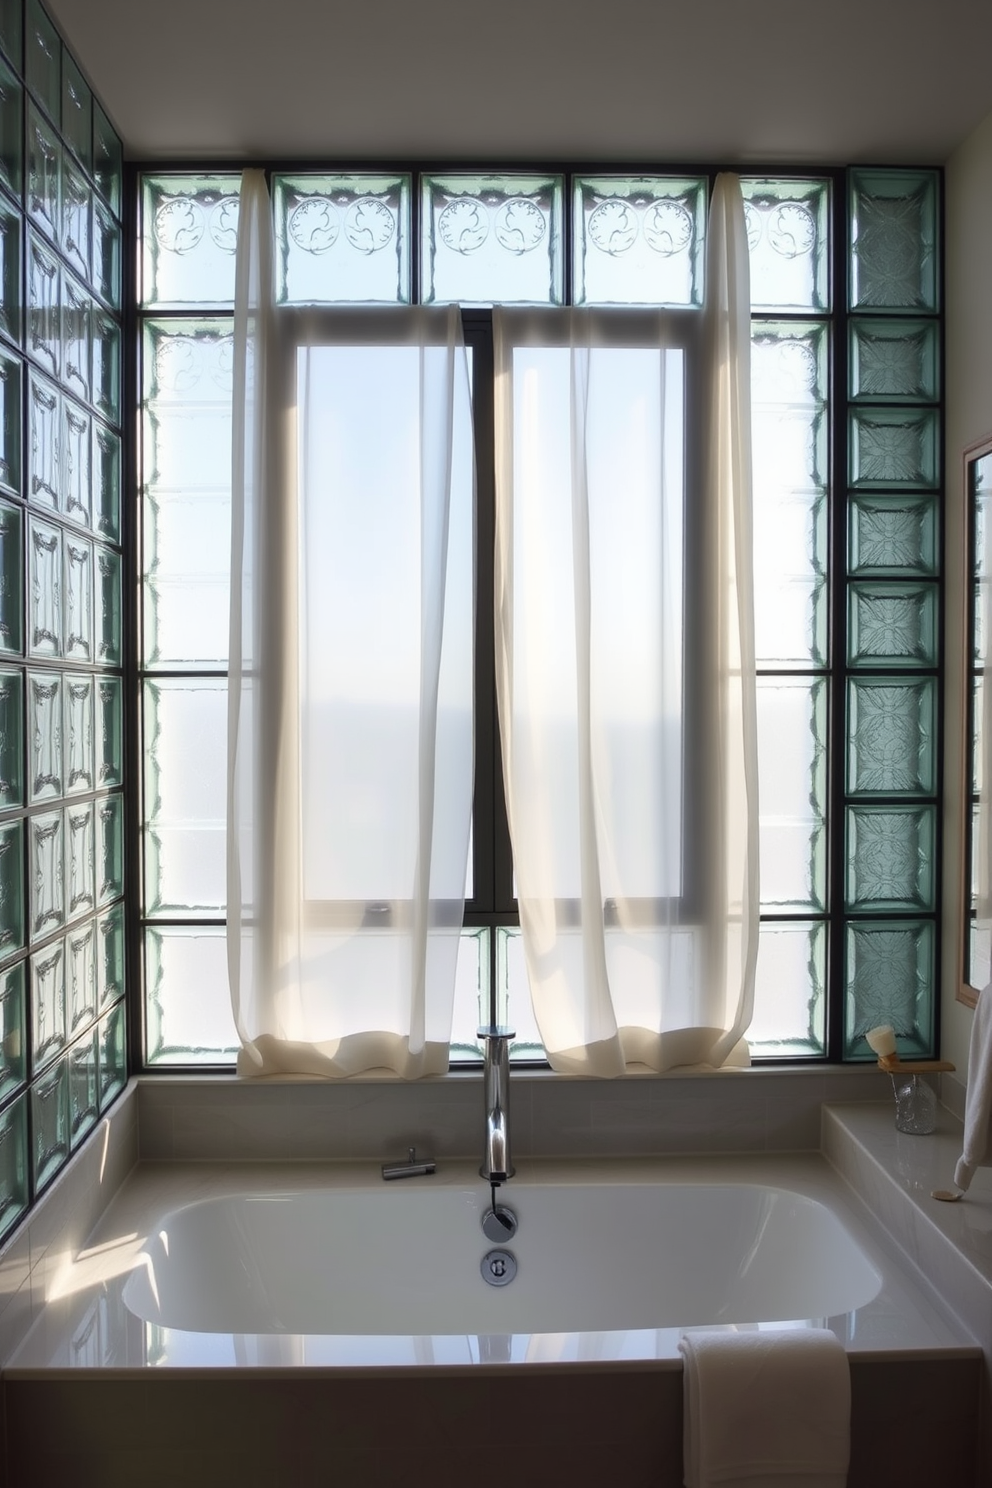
76 224
43 60
44 433
894 361
11 739
110 850
13 1029
110 956
892 625
106 371
892 535
84 1086
790 990
189 231
890 858
11 131
13 1163
10 422
107 250
890 979
792 773
342 238
11 306
788 234
12 30
77 607
188 1018
77 112
80 857
50 1122
11 581
108 601
894 448
471 1002
894 240
11 889
48 1005
44 168
46 777
109 733
77 481
80 976
492 240
890 733
77 310
113 1056
106 483
638 240
108 158
44 310
45 591
46 860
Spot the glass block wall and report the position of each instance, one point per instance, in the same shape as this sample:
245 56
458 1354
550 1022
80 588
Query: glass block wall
62 1016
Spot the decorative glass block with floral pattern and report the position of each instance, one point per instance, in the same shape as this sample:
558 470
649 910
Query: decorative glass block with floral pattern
492 240
790 990
342 238
189 237
638 240
892 624
11 580
894 448
43 59
77 112
50 1122
84 1086
48 1010
788 237
890 736
11 299
112 1055
894 247
892 535
45 736
894 361
108 159
11 131
13 1163
890 979
890 858
46 869
13 1029
12 896
11 739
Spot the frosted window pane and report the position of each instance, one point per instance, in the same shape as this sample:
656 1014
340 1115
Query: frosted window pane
185 743
188 1005
492 240
792 792
638 240
790 991
342 239
189 229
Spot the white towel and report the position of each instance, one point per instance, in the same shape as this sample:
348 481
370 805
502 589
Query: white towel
978 1098
765 1409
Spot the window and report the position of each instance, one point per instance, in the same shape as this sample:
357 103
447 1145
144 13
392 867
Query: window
846 435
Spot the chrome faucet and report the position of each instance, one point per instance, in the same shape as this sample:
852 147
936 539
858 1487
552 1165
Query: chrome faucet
496 1165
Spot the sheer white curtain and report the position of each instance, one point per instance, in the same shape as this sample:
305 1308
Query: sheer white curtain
351 676
625 668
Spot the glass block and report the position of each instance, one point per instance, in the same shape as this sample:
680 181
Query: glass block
107 248
792 774
890 979
189 237
892 625
11 739
514 1008
890 733
45 736
12 896
13 1029
113 1054
638 240
44 310
77 338
13 1163
11 581
188 1018
106 369
48 1005
11 131
12 31
186 592
108 159
82 820
45 434
790 990
79 692
185 753
50 1123
10 423
78 609
110 849
45 598
106 483
77 440
892 535
471 1001
108 607
109 736
110 956
492 240
890 858
895 361
894 247
44 168
894 447
788 235
76 230
342 239
84 1086
43 60
46 866
11 306
77 112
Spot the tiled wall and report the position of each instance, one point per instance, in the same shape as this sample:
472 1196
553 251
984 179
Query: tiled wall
62 1045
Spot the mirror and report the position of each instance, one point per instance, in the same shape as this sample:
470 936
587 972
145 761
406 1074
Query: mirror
977 857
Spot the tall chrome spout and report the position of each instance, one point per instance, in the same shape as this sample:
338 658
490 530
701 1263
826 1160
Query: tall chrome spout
496 1165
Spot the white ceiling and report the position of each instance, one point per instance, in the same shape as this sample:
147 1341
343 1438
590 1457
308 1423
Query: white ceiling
725 81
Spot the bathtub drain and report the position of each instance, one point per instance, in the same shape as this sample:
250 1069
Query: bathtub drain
498 1267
